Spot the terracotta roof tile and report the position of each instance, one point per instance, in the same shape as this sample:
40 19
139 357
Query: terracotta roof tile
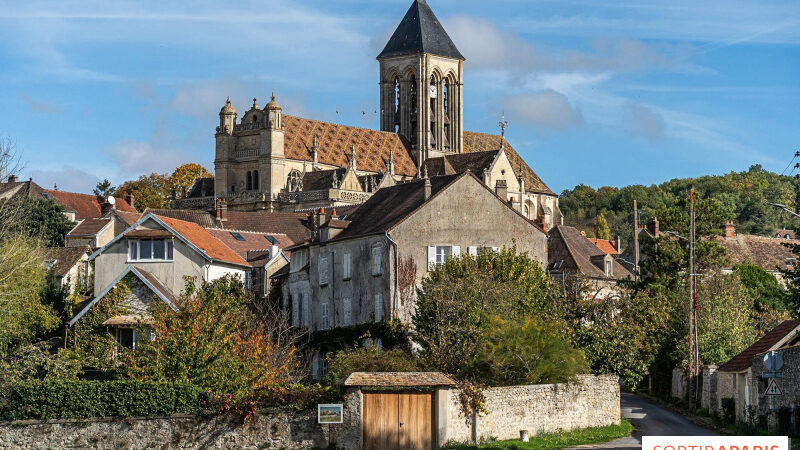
398 379
334 144
129 217
253 242
574 250
607 246
89 227
291 224
204 240
478 142
744 359
65 258
85 206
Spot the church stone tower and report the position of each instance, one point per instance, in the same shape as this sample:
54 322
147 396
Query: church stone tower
421 85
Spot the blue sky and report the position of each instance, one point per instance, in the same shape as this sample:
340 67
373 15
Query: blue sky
595 92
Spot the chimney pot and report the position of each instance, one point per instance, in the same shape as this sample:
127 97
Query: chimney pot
13 178
221 209
129 199
730 231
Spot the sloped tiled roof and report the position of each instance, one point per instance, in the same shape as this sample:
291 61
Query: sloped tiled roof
85 206
129 217
253 242
398 379
575 252
607 246
316 180
20 189
420 32
476 162
744 359
163 290
89 227
203 218
65 258
390 205
767 252
204 240
334 144
478 142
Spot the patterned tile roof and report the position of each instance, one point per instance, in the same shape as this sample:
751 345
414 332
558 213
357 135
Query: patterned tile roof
89 227
398 379
478 142
65 258
334 144
744 359
85 206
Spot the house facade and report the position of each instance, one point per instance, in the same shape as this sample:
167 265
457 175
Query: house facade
350 273
274 161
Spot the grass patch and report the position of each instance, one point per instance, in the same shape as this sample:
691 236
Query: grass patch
557 440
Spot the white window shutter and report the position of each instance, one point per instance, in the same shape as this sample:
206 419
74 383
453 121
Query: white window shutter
376 260
346 266
306 310
472 250
347 312
323 271
378 307
295 311
456 251
431 258
324 319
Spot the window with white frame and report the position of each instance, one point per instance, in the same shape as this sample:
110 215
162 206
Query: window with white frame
324 322
376 260
150 249
438 254
608 268
347 312
378 307
442 253
346 266
323 270
299 260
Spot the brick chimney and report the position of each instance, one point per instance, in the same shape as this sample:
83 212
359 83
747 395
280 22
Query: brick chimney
221 209
618 245
129 199
501 189
13 178
730 231
652 226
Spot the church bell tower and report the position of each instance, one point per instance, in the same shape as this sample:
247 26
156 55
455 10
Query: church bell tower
421 73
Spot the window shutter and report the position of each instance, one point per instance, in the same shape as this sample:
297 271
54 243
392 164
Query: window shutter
324 316
295 311
306 310
323 271
378 307
346 266
431 258
472 250
456 251
347 312
376 260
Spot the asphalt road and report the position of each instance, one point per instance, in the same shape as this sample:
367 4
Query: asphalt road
650 419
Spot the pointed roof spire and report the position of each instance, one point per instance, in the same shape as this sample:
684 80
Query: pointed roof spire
255 103
503 124
353 157
420 32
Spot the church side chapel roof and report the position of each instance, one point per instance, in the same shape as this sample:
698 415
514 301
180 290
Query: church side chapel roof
420 32
475 162
334 145
316 180
477 142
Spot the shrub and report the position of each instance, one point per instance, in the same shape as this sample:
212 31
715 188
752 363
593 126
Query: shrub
369 359
87 399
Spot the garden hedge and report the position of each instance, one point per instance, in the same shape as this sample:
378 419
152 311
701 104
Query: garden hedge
87 399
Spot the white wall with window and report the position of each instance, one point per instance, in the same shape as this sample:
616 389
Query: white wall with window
147 249
438 254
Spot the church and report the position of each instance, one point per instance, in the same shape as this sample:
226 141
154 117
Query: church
272 161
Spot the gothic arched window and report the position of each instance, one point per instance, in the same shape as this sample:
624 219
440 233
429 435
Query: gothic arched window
255 179
294 181
249 180
446 97
396 94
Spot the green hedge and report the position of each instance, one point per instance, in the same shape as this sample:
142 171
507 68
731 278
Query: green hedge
86 399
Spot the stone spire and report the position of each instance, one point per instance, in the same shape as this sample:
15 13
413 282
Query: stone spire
503 124
353 164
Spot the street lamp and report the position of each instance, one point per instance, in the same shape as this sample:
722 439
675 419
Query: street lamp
783 207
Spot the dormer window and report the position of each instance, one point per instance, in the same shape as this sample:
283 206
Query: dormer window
143 250
608 268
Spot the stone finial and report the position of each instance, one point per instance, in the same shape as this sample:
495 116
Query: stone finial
503 124
314 151
390 165
353 157
255 103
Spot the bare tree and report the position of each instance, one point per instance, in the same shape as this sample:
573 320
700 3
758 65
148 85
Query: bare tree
287 339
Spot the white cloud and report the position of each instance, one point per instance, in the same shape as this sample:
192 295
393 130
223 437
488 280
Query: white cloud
134 158
67 178
40 106
546 109
643 120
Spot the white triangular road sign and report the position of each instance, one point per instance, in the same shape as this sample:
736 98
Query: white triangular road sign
772 388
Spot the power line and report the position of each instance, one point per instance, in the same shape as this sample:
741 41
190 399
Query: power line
796 154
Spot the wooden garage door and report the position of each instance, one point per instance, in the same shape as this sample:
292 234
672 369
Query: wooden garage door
398 420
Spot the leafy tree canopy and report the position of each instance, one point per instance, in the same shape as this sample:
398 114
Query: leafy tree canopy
155 190
104 188
368 359
37 218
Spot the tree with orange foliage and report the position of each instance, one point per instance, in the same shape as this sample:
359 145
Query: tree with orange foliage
214 340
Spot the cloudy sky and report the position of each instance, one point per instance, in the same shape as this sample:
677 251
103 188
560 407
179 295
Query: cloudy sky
596 92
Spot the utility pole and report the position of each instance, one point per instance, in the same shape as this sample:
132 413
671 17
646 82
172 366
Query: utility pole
635 241
693 348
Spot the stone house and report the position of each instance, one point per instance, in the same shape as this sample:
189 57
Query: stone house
156 254
572 256
351 272
70 265
740 377
278 162
769 253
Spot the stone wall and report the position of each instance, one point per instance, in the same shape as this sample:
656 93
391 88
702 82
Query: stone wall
678 385
592 401
273 429
771 406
